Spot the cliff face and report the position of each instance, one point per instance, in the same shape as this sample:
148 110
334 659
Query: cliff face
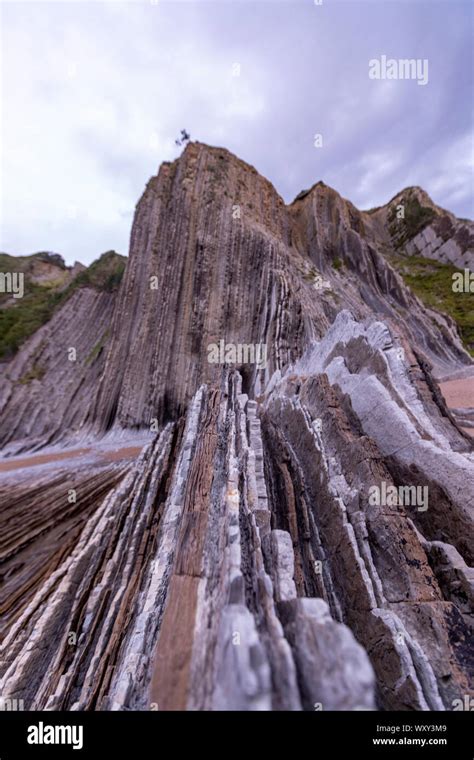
216 255
241 561
46 388
413 221
232 262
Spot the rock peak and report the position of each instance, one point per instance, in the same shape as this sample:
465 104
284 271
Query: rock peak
264 509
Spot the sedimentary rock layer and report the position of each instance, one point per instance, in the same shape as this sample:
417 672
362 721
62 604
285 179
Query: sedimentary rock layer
239 564
248 558
214 255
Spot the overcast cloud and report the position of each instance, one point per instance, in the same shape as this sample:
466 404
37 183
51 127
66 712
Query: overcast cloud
95 93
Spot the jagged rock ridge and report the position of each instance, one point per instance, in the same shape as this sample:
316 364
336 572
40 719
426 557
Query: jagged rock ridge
229 260
239 562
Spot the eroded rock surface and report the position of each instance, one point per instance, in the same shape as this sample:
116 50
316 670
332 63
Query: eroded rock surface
242 561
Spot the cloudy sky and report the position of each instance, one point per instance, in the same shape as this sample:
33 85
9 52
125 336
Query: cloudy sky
95 93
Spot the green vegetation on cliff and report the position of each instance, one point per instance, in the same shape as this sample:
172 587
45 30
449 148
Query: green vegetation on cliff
104 274
432 282
21 317
416 218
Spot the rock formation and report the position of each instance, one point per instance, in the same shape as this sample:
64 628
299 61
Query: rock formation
431 231
241 561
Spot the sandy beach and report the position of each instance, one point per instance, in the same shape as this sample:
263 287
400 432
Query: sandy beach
459 394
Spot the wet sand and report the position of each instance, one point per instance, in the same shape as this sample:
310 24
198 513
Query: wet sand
34 461
111 455
459 394
128 452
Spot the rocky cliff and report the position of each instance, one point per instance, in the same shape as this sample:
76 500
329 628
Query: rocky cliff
248 557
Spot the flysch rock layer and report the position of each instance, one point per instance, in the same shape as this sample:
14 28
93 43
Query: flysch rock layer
239 562
445 238
214 255
178 594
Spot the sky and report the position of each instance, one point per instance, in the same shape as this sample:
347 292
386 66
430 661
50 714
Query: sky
93 95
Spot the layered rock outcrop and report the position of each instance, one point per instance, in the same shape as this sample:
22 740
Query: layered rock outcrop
215 254
248 558
413 221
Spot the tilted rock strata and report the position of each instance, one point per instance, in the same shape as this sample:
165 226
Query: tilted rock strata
442 237
68 354
198 584
239 562
195 522
388 592
214 255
